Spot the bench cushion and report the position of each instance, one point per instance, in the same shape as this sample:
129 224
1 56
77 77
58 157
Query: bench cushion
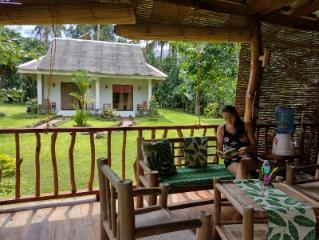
198 176
159 156
195 151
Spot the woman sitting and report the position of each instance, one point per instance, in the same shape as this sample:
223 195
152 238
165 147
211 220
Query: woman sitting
233 137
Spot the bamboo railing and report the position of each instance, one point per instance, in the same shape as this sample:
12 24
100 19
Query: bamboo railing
309 136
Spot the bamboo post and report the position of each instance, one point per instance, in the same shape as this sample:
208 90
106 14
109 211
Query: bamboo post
54 163
103 209
153 134
113 212
204 232
317 170
109 147
248 223
290 175
37 164
126 210
153 182
192 132
163 197
204 132
71 162
123 154
92 144
255 66
216 208
138 170
165 133
18 164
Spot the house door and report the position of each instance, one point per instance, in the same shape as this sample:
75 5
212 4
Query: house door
68 102
123 97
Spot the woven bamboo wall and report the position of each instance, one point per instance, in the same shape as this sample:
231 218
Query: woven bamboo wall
292 78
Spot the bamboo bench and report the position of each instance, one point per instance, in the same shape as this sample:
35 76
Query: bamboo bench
156 222
183 180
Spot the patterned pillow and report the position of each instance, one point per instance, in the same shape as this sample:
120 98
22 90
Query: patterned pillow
195 151
159 156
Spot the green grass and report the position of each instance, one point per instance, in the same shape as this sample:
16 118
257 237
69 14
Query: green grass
92 122
16 116
82 148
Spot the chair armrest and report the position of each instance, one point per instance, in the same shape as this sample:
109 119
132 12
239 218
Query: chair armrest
145 168
154 229
308 167
147 191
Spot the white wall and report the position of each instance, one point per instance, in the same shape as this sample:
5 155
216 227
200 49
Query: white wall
139 96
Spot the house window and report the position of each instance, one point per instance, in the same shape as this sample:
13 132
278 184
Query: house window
123 97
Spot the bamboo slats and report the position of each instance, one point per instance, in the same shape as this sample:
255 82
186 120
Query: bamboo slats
54 163
71 162
92 144
72 13
124 154
18 163
37 164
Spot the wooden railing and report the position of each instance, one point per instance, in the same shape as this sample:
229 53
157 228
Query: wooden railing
308 147
147 132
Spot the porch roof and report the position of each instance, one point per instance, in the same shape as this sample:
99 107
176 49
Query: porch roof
97 57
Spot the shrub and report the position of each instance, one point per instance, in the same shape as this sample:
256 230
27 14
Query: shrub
3 95
153 107
81 117
2 114
32 106
7 169
211 110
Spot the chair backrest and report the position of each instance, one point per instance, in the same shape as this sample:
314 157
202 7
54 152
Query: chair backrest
177 145
112 188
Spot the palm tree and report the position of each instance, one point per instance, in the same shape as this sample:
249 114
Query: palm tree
82 81
45 32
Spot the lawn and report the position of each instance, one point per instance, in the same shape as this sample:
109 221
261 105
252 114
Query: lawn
16 116
82 148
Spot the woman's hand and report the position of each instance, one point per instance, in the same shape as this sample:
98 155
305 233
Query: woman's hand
243 151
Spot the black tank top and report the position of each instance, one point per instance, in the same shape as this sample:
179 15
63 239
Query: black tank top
237 140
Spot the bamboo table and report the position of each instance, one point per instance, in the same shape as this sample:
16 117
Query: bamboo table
254 218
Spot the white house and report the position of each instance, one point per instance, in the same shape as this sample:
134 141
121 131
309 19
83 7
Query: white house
123 78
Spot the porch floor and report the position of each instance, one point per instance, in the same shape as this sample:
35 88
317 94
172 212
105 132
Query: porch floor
79 221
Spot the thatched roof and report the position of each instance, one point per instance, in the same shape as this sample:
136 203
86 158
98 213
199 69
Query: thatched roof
97 57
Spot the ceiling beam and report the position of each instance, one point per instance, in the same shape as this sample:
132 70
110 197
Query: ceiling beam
167 32
70 13
290 21
214 6
305 9
267 6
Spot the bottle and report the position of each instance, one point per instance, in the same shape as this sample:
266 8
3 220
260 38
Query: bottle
266 170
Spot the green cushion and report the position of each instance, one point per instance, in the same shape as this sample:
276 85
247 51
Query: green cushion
197 176
195 151
159 156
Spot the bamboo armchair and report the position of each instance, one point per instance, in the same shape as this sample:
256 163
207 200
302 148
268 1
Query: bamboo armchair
126 223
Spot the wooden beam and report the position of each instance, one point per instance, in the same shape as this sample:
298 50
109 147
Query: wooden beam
183 32
214 6
255 69
289 21
305 9
70 13
267 6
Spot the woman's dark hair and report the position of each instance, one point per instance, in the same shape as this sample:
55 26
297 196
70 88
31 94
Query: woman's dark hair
239 124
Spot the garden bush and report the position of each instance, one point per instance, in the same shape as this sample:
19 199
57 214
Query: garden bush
211 110
2 114
7 170
81 117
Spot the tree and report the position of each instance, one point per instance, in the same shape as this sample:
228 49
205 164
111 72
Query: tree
47 32
82 81
91 32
